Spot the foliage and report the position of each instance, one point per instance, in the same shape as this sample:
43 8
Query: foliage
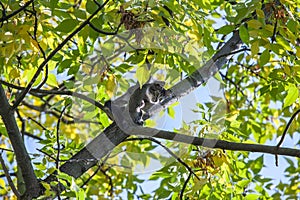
261 89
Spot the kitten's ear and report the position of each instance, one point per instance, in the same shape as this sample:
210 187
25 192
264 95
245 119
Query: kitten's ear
160 83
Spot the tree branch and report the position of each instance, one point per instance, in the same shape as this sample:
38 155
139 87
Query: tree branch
184 186
6 17
113 135
55 114
169 151
202 74
22 157
60 92
284 133
9 180
220 144
287 127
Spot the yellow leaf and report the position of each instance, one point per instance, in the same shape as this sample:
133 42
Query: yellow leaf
298 52
194 35
14 73
232 116
142 74
110 86
34 44
2 183
51 80
254 24
150 123
188 22
29 73
199 184
255 47
287 69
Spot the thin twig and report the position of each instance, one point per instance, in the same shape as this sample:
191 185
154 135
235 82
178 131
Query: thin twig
104 32
287 128
58 144
284 133
47 154
97 170
10 174
60 92
184 186
6 17
9 180
34 37
111 190
169 151
231 53
55 114
32 136
57 136
5 149
38 123
237 87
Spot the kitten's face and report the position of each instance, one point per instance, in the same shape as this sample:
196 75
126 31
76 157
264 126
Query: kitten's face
156 93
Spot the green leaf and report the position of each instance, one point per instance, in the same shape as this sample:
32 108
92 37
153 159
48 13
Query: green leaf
292 95
80 14
258 164
252 197
226 29
107 48
264 57
64 65
260 13
65 176
3 130
255 47
254 24
91 7
280 40
142 74
53 4
244 34
80 195
67 25
51 80
73 70
292 25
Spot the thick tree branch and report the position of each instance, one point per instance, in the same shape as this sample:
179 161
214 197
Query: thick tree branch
53 53
221 144
113 135
22 157
202 74
109 139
